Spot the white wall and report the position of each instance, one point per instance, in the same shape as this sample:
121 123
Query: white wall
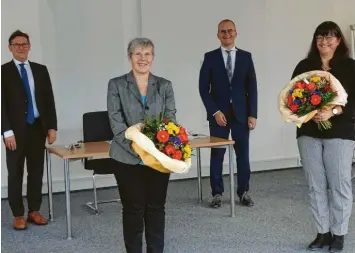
278 39
82 50
83 43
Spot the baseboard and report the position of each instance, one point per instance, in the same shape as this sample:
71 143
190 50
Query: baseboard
274 164
83 183
76 184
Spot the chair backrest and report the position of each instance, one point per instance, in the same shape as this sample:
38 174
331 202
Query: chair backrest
96 127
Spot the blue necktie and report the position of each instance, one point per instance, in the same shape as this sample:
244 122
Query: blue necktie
26 83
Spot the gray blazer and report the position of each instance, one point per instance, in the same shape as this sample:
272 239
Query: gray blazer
125 108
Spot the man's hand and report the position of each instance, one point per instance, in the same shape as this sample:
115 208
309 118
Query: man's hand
52 136
10 142
221 119
251 123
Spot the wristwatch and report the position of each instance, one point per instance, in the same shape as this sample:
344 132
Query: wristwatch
335 111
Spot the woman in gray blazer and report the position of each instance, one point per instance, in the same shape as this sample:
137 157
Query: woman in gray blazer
130 99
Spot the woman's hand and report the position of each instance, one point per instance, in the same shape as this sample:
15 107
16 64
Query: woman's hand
324 115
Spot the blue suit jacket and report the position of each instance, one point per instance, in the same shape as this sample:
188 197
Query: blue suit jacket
214 85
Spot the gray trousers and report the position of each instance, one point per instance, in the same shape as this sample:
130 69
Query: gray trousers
327 165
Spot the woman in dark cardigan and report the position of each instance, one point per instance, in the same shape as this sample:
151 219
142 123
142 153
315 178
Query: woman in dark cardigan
327 155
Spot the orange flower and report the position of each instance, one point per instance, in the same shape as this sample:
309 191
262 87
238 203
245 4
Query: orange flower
182 130
163 136
315 99
170 150
184 138
177 155
311 86
300 85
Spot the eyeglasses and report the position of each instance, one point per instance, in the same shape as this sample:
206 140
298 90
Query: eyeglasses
327 38
230 31
24 45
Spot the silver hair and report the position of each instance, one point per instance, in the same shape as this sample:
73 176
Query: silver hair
139 42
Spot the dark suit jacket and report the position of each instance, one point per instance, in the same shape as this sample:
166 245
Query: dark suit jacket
214 85
14 99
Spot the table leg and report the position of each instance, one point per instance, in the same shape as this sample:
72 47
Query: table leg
49 185
199 187
67 197
231 177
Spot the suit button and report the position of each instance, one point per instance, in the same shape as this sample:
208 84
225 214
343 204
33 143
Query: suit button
25 112
25 101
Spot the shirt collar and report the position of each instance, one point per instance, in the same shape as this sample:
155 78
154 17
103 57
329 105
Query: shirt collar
232 49
18 62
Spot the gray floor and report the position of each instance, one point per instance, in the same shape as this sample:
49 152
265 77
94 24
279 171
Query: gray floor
279 222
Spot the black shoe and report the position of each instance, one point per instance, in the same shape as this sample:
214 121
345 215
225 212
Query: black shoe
246 200
216 201
321 241
337 244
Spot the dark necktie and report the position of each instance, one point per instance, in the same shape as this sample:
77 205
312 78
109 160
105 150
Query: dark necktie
26 83
229 65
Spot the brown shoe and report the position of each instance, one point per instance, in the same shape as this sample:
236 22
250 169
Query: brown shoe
35 217
20 223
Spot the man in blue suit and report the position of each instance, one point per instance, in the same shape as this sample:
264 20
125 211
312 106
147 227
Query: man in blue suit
228 90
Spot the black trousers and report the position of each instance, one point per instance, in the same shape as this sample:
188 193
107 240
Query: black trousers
31 147
143 195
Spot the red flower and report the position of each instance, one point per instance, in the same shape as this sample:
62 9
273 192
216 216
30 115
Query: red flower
328 88
182 130
294 108
300 85
316 99
311 86
170 150
165 121
177 155
163 136
183 138
289 100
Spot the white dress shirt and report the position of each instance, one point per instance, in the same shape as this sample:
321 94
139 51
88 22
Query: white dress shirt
225 56
32 88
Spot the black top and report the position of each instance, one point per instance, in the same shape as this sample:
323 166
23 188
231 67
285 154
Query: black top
343 126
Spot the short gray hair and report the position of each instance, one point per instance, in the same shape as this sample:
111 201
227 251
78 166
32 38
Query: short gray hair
139 42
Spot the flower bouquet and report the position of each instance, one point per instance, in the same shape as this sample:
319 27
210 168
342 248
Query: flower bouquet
161 144
308 93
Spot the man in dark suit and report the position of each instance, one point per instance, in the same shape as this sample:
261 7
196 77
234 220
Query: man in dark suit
228 90
28 116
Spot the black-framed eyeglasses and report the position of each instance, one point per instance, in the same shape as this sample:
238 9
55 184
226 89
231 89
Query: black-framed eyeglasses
326 38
